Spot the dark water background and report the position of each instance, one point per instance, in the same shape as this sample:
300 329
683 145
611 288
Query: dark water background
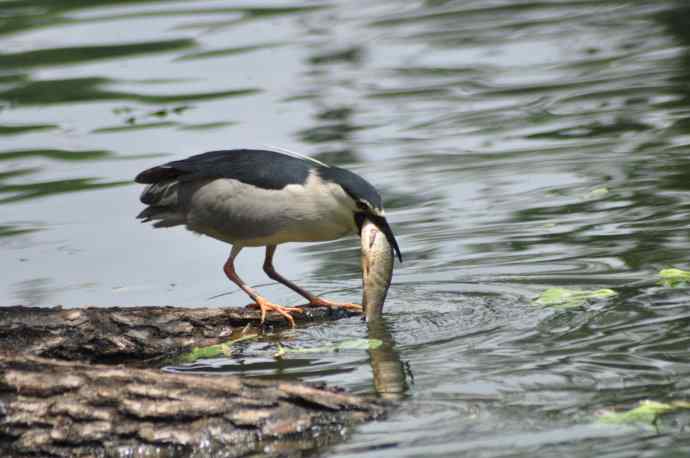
519 145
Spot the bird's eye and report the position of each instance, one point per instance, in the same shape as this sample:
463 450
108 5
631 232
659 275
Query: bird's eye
363 205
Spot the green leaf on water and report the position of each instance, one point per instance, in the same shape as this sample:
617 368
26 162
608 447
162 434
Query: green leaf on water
350 344
645 412
212 351
564 298
674 278
218 350
597 193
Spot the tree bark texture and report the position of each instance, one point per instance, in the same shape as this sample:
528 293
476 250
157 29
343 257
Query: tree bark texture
131 334
62 408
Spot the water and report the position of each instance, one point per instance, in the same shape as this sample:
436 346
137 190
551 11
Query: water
519 146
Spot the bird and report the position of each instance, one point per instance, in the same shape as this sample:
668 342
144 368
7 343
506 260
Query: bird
254 197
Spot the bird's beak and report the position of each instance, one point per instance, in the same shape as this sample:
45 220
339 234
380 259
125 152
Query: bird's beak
382 224
377 268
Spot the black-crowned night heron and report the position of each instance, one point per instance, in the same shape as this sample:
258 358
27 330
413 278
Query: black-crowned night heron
256 197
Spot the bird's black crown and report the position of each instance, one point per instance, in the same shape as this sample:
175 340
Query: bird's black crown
354 185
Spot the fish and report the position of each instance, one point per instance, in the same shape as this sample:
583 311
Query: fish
377 269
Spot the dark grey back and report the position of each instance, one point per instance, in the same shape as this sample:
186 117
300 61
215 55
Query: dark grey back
262 168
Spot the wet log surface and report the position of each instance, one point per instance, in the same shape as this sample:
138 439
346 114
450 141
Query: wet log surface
58 398
63 408
132 335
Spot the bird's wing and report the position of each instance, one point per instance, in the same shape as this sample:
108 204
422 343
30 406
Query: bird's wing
262 168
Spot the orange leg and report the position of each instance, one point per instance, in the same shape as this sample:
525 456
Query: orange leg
314 301
261 302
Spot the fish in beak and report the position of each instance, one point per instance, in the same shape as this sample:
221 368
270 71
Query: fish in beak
377 267
382 224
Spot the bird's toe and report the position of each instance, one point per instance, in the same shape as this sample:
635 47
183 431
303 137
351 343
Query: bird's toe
266 306
321 302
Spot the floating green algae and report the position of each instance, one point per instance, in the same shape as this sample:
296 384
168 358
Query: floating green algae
674 278
646 412
350 344
217 350
564 298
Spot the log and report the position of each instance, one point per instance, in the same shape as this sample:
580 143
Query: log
63 408
132 335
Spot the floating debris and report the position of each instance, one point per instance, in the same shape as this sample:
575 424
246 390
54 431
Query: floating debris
218 350
350 344
564 298
674 278
647 412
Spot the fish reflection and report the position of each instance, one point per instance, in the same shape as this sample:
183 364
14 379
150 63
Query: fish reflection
390 378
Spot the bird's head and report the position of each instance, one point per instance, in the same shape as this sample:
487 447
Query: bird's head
377 239
364 202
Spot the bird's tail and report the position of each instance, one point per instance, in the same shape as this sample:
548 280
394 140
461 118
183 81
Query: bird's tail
163 208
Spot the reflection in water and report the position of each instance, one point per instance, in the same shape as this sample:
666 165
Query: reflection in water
24 128
55 154
34 291
8 231
226 51
390 381
18 192
487 127
93 89
81 54
27 14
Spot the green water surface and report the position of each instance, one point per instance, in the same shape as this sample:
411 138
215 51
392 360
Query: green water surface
520 146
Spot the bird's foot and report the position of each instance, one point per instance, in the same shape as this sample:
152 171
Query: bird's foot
321 302
266 306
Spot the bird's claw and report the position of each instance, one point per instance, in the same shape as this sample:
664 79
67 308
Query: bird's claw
321 302
266 306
